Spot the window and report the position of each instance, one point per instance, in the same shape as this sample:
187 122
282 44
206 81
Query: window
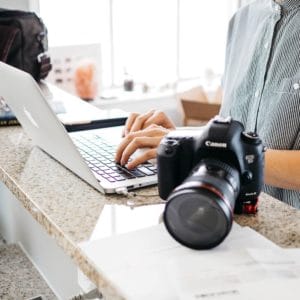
145 40
159 42
203 30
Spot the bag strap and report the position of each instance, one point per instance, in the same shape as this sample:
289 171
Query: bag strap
7 37
45 65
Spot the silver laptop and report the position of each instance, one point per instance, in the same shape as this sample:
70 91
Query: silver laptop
89 153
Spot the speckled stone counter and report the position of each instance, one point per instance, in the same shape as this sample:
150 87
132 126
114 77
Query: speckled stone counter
18 277
69 209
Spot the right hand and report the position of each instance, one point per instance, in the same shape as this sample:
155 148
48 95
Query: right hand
137 122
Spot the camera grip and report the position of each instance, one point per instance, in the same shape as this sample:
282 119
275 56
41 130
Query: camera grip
167 165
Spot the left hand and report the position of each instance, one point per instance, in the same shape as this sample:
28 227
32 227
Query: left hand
136 121
149 137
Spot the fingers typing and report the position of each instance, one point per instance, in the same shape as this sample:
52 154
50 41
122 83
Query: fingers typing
159 118
138 143
139 122
147 138
148 154
129 122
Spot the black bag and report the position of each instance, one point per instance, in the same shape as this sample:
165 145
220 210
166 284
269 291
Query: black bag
24 42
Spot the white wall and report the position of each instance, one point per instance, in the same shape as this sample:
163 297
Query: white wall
31 5
55 266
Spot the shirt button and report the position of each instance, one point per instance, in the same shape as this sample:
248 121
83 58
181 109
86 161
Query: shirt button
266 45
296 86
256 93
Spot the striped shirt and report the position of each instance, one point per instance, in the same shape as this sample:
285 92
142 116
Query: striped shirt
262 77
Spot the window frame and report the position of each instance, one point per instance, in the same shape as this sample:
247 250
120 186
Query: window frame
112 81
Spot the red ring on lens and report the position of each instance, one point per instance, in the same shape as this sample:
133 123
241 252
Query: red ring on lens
217 192
211 188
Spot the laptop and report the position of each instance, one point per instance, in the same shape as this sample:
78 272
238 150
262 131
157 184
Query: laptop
87 153
76 114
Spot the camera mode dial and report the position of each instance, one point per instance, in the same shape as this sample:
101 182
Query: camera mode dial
251 138
220 120
171 144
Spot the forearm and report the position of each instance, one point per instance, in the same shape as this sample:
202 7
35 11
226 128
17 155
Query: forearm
282 168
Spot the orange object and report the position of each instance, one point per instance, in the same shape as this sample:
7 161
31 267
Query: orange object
85 79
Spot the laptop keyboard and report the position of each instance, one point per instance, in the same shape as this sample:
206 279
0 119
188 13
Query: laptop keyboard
100 155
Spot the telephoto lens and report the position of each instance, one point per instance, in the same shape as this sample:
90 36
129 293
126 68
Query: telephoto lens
199 212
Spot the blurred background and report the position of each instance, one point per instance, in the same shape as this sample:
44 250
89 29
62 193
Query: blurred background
133 50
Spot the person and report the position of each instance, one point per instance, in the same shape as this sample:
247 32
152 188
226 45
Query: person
261 89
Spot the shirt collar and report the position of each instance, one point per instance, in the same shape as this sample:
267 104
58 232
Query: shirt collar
286 5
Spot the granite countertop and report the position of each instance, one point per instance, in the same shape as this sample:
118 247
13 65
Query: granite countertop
18 277
70 210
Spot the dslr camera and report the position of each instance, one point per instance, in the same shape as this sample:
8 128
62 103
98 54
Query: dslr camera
206 176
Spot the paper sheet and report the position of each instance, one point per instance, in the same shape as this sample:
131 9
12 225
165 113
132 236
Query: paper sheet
149 264
268 289
239 271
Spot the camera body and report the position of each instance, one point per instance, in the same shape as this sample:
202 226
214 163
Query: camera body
206 175
221 139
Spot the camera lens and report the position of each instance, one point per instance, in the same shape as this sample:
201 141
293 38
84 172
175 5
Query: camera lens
199 212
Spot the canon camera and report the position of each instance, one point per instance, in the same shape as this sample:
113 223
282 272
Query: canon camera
206 176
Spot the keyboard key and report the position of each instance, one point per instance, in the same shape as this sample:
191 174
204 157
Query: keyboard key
111 165
124 173
145 171
109 171
98 164
136 173
100 158
119 178
147 165
105 161
110 179
152 168
104 168
114 174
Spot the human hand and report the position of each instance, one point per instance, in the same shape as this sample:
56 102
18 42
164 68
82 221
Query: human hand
136 122
148 138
